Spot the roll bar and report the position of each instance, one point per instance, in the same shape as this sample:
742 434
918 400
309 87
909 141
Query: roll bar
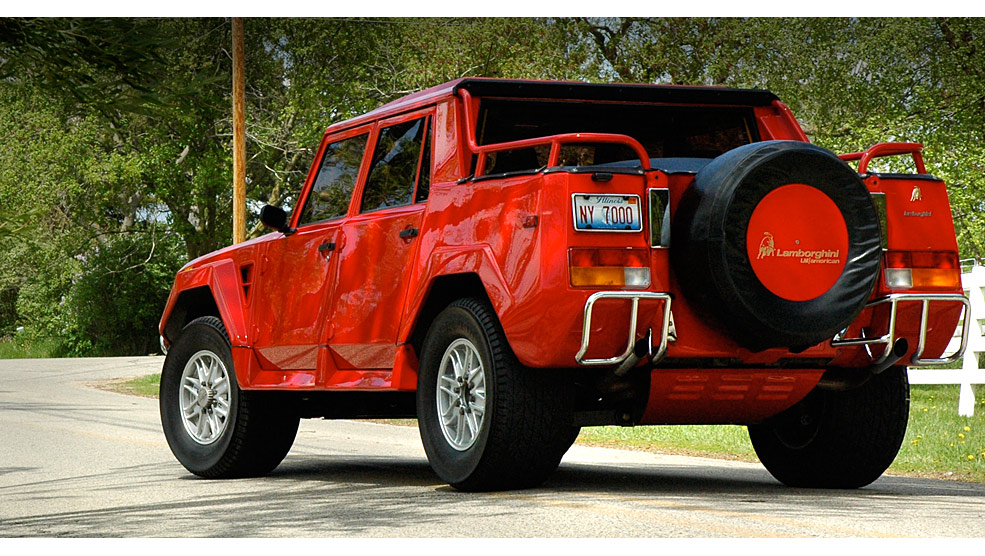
887 149
555 141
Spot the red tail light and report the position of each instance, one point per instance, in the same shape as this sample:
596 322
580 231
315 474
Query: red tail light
922 270
600 267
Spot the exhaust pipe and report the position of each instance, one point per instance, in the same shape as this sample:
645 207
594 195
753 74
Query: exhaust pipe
840 379
641 349
899 350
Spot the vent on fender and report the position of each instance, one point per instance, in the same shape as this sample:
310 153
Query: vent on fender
246 277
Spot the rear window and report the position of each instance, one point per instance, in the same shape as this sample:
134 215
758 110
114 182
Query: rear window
664 131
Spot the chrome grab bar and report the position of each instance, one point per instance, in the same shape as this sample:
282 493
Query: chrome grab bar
635 297
890 337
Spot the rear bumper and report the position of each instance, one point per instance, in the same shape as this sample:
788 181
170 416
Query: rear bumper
655 352
889 338
878 348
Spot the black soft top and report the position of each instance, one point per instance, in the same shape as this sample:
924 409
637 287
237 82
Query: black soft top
618 92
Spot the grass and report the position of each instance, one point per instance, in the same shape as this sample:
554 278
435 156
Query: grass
144 386
21 348
717 441
939 443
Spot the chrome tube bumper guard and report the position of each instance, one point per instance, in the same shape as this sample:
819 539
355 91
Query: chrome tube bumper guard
890 337
655 353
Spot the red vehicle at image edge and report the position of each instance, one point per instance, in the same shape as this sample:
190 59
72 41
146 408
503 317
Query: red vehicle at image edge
509 261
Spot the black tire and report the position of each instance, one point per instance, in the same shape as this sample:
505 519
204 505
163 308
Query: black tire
566 439
837 439
526 424
259 427
711 258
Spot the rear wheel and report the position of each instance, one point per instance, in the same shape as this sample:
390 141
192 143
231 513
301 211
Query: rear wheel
567 438
837 439
215 429
487 423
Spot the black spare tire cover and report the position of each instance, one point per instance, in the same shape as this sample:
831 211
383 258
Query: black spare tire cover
779 242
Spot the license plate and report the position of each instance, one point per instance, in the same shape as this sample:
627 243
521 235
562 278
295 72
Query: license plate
607 213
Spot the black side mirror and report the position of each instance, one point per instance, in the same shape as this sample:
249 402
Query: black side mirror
275 218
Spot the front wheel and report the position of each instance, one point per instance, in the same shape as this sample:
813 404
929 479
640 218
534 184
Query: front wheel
487 423
837 439
215 429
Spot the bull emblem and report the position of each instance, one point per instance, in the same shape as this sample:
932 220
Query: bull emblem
916 195
766 247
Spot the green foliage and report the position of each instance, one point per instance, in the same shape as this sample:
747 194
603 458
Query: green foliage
113 127
851 82
105 63
26 347
8 310
41 299
117 300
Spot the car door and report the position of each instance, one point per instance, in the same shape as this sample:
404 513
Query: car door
380 243
298 270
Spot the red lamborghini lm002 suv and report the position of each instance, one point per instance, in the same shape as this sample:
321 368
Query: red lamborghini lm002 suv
509 261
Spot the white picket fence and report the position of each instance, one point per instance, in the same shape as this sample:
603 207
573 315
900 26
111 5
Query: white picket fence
973 283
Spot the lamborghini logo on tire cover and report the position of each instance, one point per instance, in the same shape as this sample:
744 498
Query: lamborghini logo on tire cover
766 246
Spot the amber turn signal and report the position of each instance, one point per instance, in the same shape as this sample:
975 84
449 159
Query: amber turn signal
598 267
922 270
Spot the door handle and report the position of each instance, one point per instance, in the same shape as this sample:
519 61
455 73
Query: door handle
408 233
325 249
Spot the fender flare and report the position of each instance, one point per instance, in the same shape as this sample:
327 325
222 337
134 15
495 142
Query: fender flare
475 259
222 282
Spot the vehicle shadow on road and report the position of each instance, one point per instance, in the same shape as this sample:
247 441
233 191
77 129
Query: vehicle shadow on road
381 471
719 480
745 490
358 495
691 479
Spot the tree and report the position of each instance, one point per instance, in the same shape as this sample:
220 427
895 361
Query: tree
851 82
104 64
116 132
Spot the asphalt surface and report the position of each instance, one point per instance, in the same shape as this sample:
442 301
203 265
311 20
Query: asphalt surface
77 461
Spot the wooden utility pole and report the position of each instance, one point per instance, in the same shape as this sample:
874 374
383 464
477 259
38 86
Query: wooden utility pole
239 135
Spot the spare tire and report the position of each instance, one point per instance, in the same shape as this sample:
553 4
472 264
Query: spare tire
779 242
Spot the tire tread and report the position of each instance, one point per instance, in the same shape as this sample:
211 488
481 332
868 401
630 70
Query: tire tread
858 439
531 426
263 429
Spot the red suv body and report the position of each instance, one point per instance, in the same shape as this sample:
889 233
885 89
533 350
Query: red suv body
496 255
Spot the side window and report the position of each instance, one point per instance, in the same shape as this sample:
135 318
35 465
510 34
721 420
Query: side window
424 178
394 167
336 179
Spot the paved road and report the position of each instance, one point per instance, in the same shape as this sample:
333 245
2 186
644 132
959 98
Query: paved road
77 461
